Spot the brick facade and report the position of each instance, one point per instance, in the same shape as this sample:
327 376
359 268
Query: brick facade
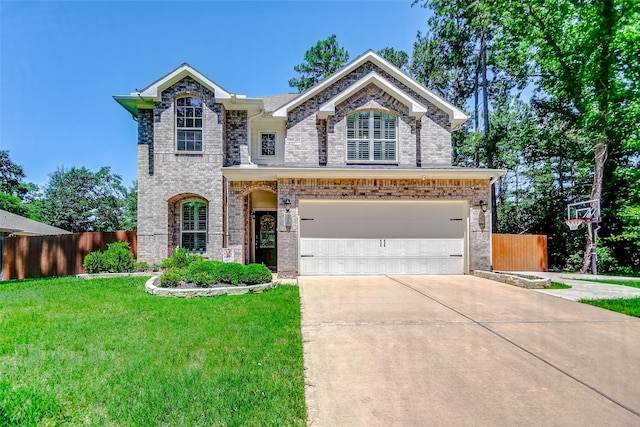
167 177
305 136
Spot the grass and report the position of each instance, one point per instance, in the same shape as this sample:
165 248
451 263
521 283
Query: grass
631 283
557 285
629 306
103 352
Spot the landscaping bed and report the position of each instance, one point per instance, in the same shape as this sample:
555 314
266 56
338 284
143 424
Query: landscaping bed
190 290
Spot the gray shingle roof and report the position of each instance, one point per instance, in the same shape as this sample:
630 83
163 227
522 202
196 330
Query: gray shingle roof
273 102
16 224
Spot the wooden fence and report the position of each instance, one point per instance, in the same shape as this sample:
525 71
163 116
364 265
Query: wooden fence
61 255
519 252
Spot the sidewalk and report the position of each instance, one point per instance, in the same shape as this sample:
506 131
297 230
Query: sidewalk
588 290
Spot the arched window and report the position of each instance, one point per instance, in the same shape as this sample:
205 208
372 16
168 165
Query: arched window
189 123
194 226
371 137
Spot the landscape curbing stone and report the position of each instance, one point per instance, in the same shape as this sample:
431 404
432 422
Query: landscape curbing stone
514 279
152 289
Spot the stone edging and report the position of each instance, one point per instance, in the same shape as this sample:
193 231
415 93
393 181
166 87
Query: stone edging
514 279
109 275
151 288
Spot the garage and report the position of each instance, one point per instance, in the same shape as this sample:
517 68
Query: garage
340 237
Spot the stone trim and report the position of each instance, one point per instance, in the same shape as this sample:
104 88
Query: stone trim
151 288
514 279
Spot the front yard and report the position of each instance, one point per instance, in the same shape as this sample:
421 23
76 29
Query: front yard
103 352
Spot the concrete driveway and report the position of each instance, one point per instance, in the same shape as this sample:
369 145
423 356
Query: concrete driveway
461 350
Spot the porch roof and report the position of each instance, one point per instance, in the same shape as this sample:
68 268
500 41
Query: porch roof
266 173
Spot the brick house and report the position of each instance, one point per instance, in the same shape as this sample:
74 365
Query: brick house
352 176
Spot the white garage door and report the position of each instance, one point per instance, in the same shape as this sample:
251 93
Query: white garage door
361 237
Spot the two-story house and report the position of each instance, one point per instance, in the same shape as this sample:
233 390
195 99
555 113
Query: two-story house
352 176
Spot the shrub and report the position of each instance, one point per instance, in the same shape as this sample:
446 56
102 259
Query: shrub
171 278
180 258
117 258
203 272
231 273
142 266
255 274
93 262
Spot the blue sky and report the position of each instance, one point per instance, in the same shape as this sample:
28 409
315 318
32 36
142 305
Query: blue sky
61 63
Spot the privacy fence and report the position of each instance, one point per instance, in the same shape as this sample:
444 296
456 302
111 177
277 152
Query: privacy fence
61 255
519 252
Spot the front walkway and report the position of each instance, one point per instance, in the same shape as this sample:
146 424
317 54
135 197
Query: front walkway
588 290
461 351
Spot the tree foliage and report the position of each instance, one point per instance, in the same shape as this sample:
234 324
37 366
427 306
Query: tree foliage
399 58
575 138
79 200
16 195
320 61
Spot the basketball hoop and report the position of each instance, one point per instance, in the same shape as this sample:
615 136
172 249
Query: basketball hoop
574 223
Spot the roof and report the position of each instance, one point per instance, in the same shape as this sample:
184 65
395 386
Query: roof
270 173
280 105
146 97
273 102
16 224
456 116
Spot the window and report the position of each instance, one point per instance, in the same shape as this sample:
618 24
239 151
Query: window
268 144
194 226
371 136
189 123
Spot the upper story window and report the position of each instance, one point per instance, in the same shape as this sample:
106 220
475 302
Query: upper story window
189 123
194 226
372 137
267 144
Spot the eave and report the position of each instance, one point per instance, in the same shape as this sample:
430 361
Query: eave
239 173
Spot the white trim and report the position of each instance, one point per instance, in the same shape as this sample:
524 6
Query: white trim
456 115
275 148
265 173
155 90
329 108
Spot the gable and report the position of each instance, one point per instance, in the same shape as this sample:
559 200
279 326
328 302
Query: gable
372 68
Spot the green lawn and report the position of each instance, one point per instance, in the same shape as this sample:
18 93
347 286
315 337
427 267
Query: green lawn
558 285
629 306
105 353
632 283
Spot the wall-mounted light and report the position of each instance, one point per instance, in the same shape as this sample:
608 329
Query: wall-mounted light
287 204
483 205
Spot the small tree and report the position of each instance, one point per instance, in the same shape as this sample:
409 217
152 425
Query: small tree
321 60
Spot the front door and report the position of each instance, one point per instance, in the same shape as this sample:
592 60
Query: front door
265 239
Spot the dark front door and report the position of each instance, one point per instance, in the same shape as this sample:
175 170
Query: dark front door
266 238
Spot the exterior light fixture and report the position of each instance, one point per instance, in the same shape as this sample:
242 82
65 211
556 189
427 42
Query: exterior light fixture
483 205
287 204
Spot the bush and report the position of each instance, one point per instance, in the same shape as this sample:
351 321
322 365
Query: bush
203 272
255 274
171 278
231 273
117 258
142 266
93 262
180 258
